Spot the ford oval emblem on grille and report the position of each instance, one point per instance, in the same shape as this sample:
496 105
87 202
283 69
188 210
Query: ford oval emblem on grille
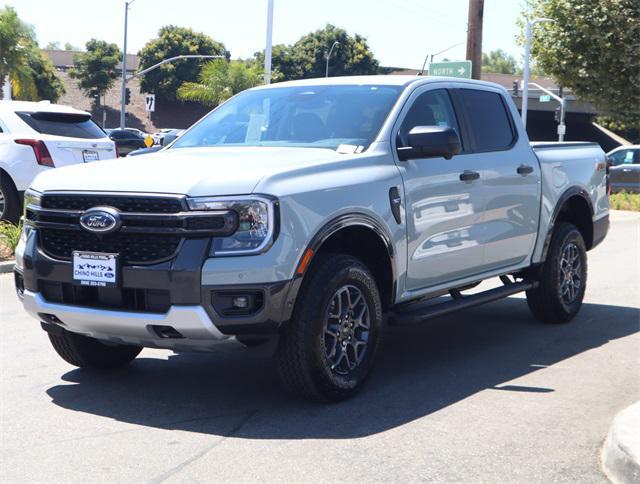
101 220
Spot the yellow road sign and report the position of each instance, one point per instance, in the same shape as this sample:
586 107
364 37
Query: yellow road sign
148 141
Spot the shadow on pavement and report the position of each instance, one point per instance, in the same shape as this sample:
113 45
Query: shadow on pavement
421 369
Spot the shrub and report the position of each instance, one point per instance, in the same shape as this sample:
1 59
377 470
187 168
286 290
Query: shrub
9 237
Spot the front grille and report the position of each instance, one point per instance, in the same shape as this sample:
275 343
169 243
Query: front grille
127 299
152 226
133 248
124 203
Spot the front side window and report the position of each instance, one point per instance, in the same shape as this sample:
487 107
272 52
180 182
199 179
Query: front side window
488 118
431 108
300 116
619 157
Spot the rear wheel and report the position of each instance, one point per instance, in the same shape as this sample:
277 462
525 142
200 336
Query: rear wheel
563 278
86 352
327 350
9 200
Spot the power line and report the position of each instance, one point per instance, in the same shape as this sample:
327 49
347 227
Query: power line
422 14
440 14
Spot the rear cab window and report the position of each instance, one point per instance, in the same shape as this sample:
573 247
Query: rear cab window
70 125
488 120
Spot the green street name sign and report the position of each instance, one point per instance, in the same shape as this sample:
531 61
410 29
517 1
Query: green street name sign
451 69
545 98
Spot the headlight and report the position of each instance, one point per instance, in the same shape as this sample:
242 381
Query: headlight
256 223
33 198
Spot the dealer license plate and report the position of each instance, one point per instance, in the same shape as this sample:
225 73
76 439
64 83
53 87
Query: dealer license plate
95 269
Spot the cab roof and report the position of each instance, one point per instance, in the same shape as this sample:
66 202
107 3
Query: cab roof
380 80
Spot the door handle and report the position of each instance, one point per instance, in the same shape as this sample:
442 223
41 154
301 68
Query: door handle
524 170
468 175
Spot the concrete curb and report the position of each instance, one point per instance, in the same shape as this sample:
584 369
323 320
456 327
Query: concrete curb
7 266
621 451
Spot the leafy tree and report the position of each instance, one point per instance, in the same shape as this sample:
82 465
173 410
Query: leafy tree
96 69
499 61
47 84
219 80
16 39
32 74
70 46
172 41
308 56
53 45
592 48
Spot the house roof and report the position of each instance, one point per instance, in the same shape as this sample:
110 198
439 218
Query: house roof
63 59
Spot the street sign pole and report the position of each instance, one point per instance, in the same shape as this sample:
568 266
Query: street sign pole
269 42
562 128
527 55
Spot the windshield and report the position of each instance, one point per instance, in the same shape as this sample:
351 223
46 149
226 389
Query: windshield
347 116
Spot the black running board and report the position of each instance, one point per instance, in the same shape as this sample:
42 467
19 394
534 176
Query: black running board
413 313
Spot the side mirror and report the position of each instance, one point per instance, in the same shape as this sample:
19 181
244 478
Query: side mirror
430 141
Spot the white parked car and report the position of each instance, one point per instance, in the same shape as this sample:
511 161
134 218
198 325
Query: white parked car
38 136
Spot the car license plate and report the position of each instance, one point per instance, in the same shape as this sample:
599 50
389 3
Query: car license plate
95 269
88 156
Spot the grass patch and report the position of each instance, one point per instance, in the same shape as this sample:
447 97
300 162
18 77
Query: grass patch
9 237
625 201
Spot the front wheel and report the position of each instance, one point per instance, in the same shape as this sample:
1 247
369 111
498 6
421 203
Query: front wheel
85 352
327 350
563 277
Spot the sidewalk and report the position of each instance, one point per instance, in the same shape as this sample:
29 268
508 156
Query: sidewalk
621 451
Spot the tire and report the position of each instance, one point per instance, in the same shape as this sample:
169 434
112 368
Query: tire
86 352
9 200
321 355
560 292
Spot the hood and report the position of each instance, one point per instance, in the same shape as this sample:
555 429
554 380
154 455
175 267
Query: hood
189 171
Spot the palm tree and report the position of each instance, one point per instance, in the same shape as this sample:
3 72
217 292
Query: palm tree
219 80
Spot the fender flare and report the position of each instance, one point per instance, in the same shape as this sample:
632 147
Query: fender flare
354 219
562 200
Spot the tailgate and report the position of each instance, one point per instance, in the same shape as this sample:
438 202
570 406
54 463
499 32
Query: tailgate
70 151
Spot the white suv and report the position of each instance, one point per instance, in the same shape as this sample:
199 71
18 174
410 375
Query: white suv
37 136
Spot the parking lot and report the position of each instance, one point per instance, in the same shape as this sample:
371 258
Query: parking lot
484 395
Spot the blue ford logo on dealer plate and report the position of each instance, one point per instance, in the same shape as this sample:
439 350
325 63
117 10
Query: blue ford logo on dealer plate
100 220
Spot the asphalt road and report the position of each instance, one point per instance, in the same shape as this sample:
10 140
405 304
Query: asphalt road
485 395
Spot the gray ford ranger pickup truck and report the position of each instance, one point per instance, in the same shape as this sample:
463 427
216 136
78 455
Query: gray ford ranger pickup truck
297 217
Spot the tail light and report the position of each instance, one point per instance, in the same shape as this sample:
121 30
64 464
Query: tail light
115 148
39 149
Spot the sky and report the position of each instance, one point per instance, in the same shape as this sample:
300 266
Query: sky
400 32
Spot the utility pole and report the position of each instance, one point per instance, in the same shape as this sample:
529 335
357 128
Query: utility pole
474 37
269 43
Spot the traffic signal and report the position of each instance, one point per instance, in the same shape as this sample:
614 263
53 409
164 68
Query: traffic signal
127 95
556 115
515 88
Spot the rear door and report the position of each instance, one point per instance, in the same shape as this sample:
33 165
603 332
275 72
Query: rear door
70 138
510 184
444 212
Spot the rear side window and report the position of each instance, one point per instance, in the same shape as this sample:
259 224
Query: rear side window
63 124
488 118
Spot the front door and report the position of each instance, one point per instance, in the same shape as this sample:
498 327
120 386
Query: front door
442 199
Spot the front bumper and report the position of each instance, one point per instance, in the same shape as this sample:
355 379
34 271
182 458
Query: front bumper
162 305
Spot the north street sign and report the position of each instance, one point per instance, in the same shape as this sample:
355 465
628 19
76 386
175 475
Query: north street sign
451 69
